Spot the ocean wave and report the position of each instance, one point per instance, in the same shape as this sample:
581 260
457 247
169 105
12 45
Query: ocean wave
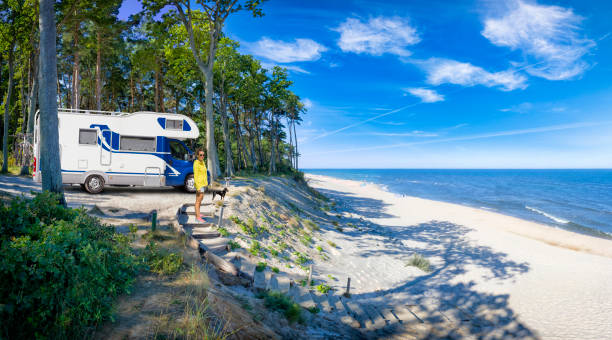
554 218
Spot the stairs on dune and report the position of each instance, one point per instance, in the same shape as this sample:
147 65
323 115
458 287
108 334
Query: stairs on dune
374 319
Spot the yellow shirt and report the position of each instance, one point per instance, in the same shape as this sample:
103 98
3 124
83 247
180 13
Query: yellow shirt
199 174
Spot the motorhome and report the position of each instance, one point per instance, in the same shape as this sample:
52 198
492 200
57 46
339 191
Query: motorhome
100 148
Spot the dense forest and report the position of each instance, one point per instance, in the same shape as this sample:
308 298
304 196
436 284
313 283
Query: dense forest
171 57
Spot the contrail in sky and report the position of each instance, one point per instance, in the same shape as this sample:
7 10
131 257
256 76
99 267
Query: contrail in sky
479 136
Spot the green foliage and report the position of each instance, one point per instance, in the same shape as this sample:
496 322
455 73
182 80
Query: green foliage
301 259
417 260
249 227
280 302
332 244
323 288
60 269
339 228
261 266
274 252
313 309
350 225
276 270
255 249
224 232
310 224
335 223
306 240
283 246
233 245
319 249
325 208
331 277
160 261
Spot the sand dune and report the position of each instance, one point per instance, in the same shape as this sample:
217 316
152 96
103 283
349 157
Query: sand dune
523 274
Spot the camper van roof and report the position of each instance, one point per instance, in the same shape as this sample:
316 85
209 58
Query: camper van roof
109 113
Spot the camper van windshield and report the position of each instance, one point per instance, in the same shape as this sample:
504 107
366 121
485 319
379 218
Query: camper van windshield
177 150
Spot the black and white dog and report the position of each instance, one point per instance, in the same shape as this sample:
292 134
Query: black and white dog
221 193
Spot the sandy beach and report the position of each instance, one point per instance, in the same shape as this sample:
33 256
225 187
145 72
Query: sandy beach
551 282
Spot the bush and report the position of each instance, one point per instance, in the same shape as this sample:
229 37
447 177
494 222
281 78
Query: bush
276 270
261 266
61 269
281 302
417 260
160 261
233 245
323 288
331 244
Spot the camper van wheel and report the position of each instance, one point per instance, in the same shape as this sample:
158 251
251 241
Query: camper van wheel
190 183
94 184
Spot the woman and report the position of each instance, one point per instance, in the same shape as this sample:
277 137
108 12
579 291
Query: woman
201 181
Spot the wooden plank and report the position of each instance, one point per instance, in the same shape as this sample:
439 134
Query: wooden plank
305 298
404 315
358 313
345 318
388 315
200 234
220 263
321 300
375 316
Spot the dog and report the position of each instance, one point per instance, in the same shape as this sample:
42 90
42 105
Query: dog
221 193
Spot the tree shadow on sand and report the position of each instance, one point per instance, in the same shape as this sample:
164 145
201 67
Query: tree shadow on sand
445 293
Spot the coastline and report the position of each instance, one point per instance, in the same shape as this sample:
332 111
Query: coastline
552 280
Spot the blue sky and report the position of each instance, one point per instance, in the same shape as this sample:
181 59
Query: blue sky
443 84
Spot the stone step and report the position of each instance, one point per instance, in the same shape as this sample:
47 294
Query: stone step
359 314
201 233
271 281
215 245
247 267
284 283
259 281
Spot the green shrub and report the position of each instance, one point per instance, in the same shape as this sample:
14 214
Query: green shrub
160 261
233 245
280 302
255 249
338 228
274 252
301 258
283 246
319 249
331 244
417 260
323 288
60 269
261 266
276 270
335 223
310 224
306 240
313 309
223 232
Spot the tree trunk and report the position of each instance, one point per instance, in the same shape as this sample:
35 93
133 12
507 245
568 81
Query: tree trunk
76 84
49 146
296 147
156 97
131 91
229 162
211 146
98 71
239 158
161 90
7 105
33 100
272 167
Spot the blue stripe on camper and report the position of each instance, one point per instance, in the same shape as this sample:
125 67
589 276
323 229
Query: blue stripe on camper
115 140
160 144
186 126
162 122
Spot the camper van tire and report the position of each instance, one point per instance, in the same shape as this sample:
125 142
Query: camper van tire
190 183
94 184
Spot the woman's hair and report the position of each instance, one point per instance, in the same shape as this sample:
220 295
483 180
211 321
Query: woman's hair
198 151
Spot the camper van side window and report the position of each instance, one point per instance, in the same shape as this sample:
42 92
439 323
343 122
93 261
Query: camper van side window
128 143
173 124
88 136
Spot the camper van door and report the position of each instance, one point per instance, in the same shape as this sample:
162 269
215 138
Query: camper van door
105 148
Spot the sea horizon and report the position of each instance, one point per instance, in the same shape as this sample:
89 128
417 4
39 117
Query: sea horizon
573 199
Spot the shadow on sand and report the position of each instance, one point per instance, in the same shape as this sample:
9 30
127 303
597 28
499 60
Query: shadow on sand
445 290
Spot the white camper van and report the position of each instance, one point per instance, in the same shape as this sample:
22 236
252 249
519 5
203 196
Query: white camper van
99 148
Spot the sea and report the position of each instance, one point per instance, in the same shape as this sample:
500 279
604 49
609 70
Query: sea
575 200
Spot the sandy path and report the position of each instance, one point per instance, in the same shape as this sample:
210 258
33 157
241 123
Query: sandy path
512 270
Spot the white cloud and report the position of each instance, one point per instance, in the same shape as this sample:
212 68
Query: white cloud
441 71
307 103
377 36
270 66
426 95
287 52
548 36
